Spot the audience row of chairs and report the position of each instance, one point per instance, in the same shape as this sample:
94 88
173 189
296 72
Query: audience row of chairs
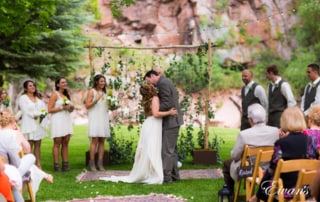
307 169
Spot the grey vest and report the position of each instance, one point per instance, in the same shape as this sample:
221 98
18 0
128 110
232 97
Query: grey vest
310 96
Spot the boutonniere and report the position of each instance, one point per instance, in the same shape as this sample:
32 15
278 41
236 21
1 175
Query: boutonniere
157 90
276 85
313 85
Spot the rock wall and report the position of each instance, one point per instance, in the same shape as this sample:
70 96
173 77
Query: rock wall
190 22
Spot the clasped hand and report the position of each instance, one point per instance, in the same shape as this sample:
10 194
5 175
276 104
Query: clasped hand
173 111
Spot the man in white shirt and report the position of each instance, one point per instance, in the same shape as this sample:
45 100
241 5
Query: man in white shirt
311 94
280 96
251 93
258 135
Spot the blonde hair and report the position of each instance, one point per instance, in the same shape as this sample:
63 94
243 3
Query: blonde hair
292 120
314 115
6 117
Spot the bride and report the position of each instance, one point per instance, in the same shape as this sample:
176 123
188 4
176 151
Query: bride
147 167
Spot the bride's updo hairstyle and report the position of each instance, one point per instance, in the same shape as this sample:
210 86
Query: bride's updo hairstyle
147 91
6 117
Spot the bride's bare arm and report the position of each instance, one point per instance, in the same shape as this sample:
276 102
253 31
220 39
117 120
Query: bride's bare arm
156 106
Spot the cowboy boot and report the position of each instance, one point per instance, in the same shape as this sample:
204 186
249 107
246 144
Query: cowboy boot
100 165
92 165
56 167
65 166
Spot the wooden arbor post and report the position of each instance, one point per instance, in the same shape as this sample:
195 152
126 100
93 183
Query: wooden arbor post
207 99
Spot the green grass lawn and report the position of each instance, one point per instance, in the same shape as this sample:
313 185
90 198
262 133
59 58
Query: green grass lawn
66 187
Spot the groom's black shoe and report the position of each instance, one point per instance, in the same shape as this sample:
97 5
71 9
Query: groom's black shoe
167 181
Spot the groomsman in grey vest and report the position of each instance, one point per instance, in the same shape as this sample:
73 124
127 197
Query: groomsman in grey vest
311 95
251 93
169 98
280 96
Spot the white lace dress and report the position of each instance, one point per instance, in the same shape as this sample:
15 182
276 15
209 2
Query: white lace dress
30 127
61 123
147 167
98 116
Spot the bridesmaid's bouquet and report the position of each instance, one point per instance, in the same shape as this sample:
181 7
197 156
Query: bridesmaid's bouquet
65 100
112 101
6 102
43 114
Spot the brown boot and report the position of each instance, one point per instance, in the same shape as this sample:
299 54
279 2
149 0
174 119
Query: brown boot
56 167
92 165
65 166
100 165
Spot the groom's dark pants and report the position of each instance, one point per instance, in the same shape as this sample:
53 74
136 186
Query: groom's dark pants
170 154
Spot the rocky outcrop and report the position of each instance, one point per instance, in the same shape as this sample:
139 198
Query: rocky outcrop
246 26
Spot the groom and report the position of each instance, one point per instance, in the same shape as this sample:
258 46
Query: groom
169 98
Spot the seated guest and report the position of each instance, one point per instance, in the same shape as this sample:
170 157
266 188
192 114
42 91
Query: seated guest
5 188
314 125
258 135
293 145
11 143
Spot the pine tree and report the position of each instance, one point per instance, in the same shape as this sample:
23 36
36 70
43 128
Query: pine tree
42 38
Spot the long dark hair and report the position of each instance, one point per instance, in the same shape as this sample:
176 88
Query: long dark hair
25 87
147 91
65 91
96 80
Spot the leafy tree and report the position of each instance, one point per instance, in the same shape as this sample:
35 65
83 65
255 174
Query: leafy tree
41 38
307 31
117 5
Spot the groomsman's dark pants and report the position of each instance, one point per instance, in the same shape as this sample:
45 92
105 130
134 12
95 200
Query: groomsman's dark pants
170 154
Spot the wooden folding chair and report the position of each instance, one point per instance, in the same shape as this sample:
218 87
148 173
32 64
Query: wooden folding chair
248 152
28 185
304 178
286 167
251 182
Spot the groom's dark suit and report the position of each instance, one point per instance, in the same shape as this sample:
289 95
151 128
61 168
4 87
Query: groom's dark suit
169 98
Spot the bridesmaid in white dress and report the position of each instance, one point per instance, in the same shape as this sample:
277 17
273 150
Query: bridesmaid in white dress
60 107
31 106
147 167
5 100
98 128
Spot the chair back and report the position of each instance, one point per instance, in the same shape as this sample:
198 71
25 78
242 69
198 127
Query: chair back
253 151
289 166
248 151
304 178
262 157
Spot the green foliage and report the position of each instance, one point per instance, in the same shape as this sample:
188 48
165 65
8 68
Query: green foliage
190 73
93 7
41 38
120 149
308 32
214 143
117 5
221 4
185 143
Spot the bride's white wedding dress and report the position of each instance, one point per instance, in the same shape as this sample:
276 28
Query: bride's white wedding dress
147 167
